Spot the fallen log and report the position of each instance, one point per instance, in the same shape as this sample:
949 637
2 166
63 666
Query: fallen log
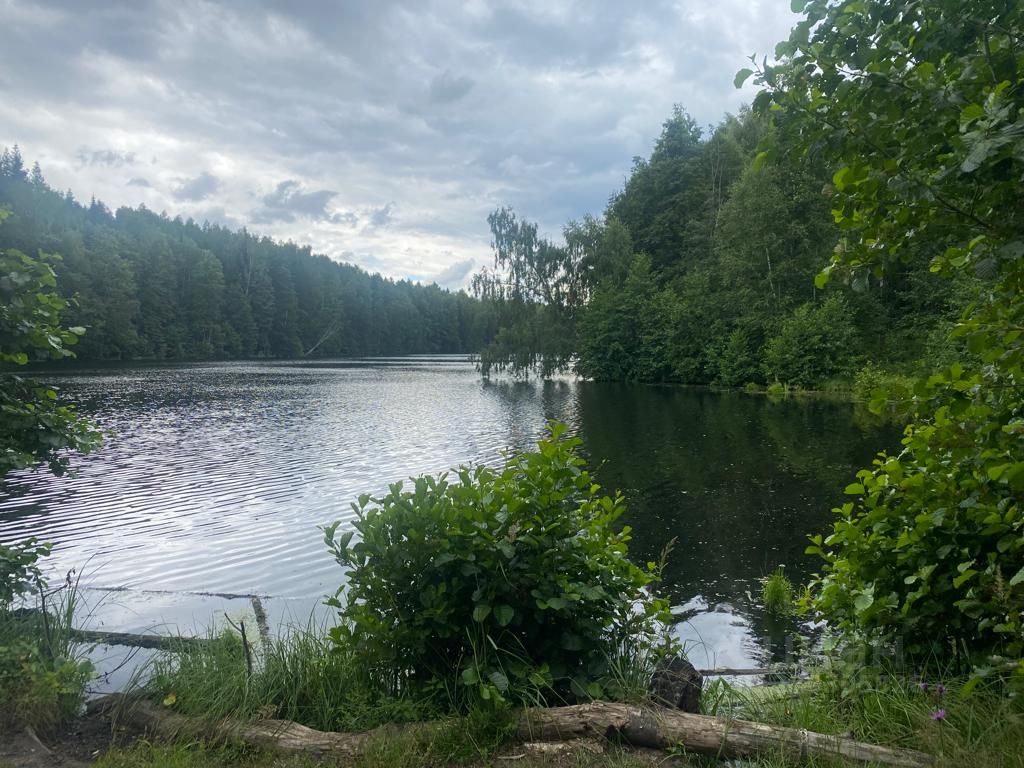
600 722
156 642
277 735
660 728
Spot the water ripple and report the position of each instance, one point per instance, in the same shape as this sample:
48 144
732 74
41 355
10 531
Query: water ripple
216 477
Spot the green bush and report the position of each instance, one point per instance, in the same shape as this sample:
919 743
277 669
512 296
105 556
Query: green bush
931 552
42 680
42 686
817 342
874 384
508 581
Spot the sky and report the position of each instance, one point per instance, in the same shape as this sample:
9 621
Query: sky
379 132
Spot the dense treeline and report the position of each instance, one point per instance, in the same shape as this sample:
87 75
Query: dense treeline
702 271
148 286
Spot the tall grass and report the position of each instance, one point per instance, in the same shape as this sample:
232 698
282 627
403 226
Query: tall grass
299 675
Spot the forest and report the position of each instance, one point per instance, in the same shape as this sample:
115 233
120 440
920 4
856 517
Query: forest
150 287
700 271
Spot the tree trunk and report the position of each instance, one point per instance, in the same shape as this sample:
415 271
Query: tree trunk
660 728
277 735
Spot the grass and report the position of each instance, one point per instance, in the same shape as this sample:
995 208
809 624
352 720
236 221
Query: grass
393 753
42 671
982 730
300 676
872 380
777 593
303 677
985 728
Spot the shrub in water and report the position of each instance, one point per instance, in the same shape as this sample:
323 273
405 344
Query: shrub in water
507 580
777 593
876 385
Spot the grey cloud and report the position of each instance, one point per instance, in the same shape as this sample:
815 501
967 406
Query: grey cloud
454 275
288 202
381 217
138 181
110 158
367 261
217 215
446 87
199 188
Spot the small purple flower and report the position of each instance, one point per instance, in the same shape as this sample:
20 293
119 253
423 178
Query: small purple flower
940 689
939 714
923 687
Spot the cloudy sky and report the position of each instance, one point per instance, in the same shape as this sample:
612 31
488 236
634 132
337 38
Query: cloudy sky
381 133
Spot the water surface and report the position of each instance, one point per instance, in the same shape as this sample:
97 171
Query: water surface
215 479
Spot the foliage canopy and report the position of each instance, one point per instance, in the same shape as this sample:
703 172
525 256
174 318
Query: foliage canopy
919 109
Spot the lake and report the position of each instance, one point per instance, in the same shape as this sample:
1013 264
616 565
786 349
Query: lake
215 478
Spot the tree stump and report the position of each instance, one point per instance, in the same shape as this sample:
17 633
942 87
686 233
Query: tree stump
676 683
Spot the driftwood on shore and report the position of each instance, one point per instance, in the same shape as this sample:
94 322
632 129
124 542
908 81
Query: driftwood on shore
601 722
276 735
660 728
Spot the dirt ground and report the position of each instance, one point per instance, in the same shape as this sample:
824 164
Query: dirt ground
75 745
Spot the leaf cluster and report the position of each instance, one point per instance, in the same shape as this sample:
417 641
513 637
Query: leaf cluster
919 110
34 425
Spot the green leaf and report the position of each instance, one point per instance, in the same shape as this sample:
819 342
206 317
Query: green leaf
964 577
741 77
971 112
839 177
503 614
481 612
1017 578
979 153
863 601
499 679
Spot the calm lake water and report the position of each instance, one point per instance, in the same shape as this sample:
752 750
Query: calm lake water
215 478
